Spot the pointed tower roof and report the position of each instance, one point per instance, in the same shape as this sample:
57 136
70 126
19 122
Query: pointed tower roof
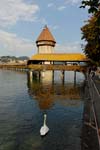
45 35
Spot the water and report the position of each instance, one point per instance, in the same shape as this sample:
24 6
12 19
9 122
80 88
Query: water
23 104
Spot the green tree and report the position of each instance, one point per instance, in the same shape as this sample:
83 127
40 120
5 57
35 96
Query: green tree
91 34
93 5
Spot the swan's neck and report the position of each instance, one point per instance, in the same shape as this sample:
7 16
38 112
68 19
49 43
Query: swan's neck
45 120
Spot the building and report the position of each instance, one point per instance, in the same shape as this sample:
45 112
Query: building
45 42
46 54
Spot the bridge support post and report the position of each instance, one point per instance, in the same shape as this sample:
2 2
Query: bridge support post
74 77
53 76
39 76
63 76
31 75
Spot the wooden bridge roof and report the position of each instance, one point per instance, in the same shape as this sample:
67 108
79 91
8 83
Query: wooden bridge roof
60 57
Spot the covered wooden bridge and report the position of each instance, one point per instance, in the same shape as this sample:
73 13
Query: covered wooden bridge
58 61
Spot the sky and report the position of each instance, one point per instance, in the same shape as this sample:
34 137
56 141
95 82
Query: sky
21 22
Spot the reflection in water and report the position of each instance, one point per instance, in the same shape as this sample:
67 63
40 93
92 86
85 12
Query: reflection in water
47 76
22 109
61 101
46 93
41 94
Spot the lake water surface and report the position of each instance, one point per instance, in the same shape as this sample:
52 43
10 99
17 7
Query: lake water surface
23 104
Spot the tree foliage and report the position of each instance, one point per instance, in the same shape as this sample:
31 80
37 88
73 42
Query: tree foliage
91 34
93 5
91 30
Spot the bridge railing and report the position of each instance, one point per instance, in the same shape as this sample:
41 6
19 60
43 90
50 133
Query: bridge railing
95 99
58 67
43 67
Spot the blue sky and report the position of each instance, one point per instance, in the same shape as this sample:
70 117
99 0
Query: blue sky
21 22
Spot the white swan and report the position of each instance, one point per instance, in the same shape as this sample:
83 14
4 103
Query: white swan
44 129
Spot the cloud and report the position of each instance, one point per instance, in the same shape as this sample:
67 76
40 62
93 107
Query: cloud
61 8
11 44
50 4
73 47
72 2
12 11
55 27
14 45
42 21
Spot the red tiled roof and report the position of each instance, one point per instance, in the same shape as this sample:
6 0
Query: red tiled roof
45 35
